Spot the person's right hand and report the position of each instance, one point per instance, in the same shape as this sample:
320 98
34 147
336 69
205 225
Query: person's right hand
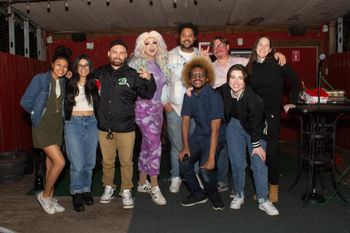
183 152
260 152
189 91
167 108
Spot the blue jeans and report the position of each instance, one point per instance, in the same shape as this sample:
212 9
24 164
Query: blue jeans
81 137
174 124
222 165
199 149
237 139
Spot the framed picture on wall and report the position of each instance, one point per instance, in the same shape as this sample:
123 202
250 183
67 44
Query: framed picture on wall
240 52
205 45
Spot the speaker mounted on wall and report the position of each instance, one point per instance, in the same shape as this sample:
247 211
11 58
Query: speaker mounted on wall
78 37
297 30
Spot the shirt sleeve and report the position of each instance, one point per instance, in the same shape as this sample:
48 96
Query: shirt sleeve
186 106
29 96
289 74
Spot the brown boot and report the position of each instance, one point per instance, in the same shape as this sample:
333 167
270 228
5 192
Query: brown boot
273 193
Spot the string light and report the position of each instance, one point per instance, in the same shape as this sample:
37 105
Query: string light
151 3
131 1
174 4
195 2
107 3
66 5
89 2
48 7
28 8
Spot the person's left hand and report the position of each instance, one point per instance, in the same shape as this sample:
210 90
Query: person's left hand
260 152
287 107
189 91
209 165
205 52
144 74
69 74
281 58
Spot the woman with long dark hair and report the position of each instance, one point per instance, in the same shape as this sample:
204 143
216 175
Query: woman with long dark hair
80 130
43 99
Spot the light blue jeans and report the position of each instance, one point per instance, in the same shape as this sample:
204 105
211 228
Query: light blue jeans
81 138
174 123
237 140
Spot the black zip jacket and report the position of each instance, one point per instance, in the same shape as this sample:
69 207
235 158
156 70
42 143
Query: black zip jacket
119 91
250 110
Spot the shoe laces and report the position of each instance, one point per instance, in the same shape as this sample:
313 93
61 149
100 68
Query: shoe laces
126 194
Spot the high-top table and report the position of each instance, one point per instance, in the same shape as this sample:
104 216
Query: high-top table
317 145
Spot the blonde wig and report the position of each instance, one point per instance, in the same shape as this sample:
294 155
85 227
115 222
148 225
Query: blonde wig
139 58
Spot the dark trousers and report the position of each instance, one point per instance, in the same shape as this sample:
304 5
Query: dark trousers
199 149
273 118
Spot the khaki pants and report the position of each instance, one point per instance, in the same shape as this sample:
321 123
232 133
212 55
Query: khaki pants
124 144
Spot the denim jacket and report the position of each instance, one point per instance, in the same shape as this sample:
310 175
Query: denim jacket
35 97
175 90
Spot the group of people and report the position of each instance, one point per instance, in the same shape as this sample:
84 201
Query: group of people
214 111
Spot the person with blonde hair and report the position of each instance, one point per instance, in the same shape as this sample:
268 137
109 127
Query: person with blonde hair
151 54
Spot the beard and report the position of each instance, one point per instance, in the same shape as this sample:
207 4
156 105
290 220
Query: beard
186 45
116 62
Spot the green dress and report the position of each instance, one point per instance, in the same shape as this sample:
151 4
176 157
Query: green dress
50 129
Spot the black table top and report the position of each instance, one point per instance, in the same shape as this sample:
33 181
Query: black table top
321 108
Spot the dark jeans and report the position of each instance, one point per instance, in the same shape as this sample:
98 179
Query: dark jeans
273 134
199 149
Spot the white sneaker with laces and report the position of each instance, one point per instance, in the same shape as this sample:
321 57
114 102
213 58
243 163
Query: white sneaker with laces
157 196
175 184
107 195
58 208
145 188
269 208
128 202
236 202
45 203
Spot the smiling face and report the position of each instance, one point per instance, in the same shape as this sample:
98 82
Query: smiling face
236 82
220 49
187 39
117 55
263 48
83 68
151 47
198 78
59 68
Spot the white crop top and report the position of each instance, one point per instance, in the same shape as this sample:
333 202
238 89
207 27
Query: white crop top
81 103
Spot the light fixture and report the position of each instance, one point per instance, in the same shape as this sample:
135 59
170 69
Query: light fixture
131 1
174 4
195 2
89 2
66 5
107 3
48 7
151 3
325 28
28 8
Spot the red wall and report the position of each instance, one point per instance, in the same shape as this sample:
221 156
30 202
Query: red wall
15 127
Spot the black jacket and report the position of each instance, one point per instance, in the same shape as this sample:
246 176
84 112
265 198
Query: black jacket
119 91
250 110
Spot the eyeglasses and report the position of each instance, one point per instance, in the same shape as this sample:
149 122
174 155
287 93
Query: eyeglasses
198 75
221 45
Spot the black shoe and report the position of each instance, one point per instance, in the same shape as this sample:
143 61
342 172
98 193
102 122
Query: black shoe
88 200
191 201
218 203
78 202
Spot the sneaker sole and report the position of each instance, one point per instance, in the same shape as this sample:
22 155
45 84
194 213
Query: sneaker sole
106 201
128 207
270 214
237 208
196 203
218 208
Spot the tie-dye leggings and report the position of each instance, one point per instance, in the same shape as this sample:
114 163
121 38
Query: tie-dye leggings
149 118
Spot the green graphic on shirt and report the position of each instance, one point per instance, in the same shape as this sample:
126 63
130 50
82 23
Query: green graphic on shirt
123 82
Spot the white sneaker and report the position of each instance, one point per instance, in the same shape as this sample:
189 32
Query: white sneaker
175 184
107 195
232 194
236 203
200 182
128 202
269 208
45 203
145 188
157 196
58 208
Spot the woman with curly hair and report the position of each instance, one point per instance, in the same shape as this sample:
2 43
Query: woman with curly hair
206 107
80 130
150 54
